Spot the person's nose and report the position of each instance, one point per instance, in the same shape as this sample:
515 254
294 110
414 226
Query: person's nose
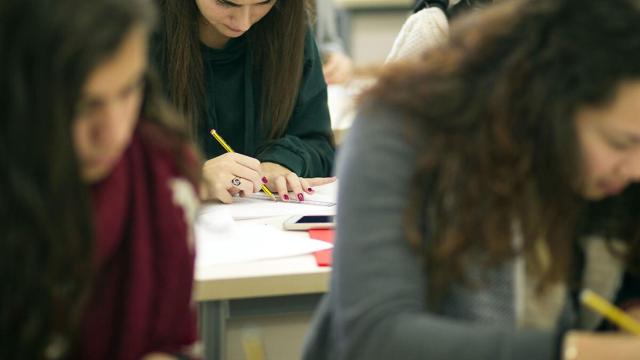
631 167
242 18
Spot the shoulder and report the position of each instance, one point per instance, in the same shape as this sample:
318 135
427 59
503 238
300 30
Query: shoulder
311 54
312 76
423 30
379 135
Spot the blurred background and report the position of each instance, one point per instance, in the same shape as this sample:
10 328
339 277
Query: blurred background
368 27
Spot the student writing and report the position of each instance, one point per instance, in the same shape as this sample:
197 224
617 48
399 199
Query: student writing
250 70
511 159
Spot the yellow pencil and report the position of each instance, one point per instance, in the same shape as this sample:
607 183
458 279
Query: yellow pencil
609 311
228 148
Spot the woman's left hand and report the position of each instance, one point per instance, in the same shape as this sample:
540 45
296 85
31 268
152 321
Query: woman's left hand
282 180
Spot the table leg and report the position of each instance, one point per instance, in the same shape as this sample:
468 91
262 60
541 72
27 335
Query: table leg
213 319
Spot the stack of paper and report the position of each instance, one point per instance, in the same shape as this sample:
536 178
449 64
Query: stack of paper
219 240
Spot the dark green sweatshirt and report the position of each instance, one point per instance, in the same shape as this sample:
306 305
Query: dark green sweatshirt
233 110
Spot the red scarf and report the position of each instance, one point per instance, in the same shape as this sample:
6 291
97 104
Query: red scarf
141 299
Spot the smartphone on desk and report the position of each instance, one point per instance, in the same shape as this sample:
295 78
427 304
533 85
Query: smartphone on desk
306 222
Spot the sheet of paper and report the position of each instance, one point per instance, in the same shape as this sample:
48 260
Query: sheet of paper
260 206
221 240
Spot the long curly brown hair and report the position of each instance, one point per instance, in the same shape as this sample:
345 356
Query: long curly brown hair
491 114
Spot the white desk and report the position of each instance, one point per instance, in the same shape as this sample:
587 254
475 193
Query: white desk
264 287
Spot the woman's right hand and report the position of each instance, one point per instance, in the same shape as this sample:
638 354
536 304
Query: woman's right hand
230 174
337 69
591 346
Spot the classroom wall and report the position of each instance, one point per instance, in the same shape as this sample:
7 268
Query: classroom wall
372 35
370 26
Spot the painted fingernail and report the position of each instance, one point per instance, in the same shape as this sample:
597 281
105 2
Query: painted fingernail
300 197
264 180
309 189
286 197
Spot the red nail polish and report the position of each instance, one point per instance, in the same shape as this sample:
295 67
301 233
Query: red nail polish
309 189
264 180
300 197
285 196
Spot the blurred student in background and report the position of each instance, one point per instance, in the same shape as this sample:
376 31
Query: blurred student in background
337 65
511 162
428 26
97 188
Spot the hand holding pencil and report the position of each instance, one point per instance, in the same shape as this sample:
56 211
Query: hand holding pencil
277 177
231 174
228 149
609 311
587 345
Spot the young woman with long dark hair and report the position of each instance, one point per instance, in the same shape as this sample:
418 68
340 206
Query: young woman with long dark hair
251 70
96 187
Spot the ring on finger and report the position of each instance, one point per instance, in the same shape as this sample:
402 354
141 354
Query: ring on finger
235 181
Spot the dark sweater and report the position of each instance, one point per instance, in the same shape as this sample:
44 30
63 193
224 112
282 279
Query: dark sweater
233 109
